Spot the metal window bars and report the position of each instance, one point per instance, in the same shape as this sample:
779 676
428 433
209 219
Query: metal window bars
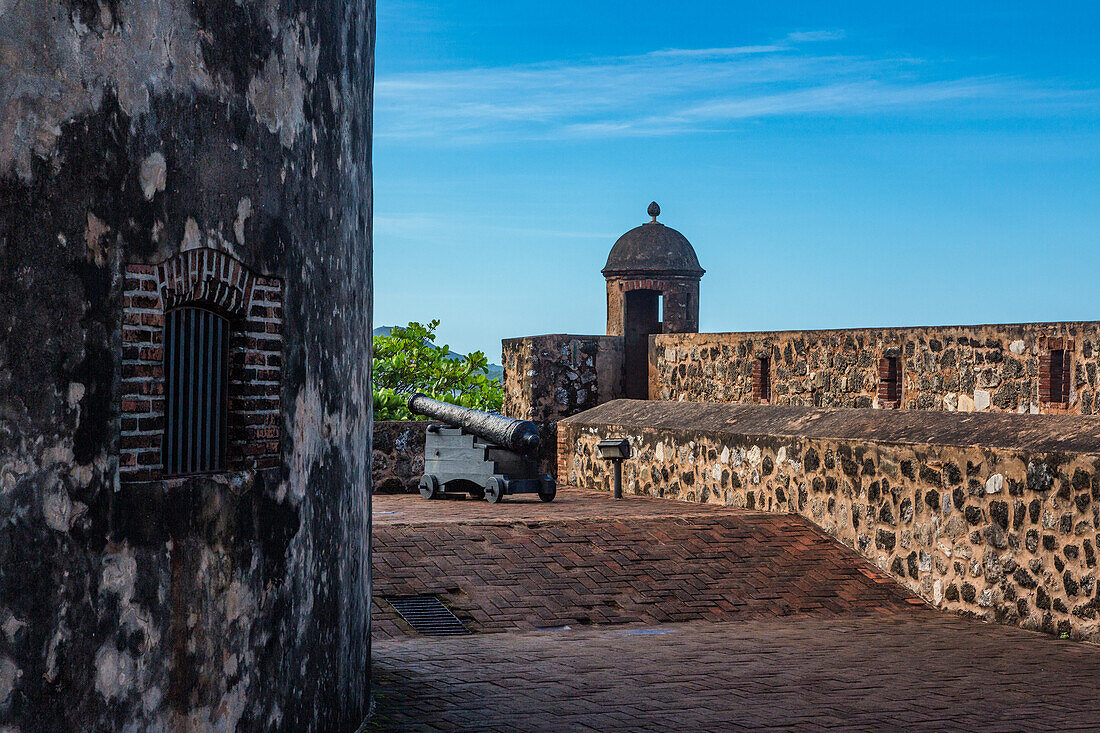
196 372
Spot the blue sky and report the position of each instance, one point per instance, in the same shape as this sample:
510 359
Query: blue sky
835 164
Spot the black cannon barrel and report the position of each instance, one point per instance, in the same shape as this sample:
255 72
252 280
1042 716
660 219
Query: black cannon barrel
521 436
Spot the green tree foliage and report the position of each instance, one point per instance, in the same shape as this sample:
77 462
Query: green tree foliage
407 360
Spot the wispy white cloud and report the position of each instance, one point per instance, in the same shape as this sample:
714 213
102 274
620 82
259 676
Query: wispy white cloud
716 52
417 226
677 91
811 36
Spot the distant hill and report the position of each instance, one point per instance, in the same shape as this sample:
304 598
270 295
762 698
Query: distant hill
495 371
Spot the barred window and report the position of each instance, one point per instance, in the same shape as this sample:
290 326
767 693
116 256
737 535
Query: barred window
196 365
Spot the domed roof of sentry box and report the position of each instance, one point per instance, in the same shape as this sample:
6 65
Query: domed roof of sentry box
653 249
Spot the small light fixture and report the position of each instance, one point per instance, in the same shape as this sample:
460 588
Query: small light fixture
615 450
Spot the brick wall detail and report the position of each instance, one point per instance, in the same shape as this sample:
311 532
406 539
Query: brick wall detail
254 306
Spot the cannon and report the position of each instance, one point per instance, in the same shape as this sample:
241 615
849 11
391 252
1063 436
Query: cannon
480 454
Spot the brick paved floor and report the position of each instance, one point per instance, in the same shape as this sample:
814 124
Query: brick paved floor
920 671
705 618
533 565
571 503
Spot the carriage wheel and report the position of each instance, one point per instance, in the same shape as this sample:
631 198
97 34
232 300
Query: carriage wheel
494 490
547 489
429 486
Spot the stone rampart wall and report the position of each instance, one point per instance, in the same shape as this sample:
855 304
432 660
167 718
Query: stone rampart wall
397 461
547 378
1007 534
951 368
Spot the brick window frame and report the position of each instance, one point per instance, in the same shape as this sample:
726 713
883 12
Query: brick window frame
1055 389
762 380
890 382
253 304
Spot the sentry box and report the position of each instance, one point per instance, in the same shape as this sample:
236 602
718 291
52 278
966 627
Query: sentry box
615 450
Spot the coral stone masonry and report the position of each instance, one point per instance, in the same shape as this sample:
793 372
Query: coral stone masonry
997 368
997 515
397 460
550 377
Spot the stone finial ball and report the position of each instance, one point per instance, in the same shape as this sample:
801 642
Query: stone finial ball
654 210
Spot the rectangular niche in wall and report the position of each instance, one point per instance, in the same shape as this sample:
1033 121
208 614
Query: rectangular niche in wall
762 380
202 347
1055 370
889 381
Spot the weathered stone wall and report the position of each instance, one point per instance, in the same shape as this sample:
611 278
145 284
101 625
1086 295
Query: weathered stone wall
550 377
996 516
397 461
131 131
956 368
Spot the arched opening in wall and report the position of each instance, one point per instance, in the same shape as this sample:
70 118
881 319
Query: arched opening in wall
642 318
196 373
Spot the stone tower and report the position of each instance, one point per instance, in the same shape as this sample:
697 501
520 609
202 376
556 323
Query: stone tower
652 287
185 350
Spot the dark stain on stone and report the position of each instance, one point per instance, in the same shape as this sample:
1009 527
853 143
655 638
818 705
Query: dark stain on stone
88 11
238 40
96 407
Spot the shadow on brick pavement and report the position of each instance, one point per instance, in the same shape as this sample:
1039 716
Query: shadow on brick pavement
587 560
704 618
925 671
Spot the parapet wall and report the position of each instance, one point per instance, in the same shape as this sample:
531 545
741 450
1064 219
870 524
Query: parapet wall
951 368
547 378
397 456
994 516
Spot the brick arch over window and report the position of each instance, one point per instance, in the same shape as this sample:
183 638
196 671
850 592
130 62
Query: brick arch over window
206 277
253 306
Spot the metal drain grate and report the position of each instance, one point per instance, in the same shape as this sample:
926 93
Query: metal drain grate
428 615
